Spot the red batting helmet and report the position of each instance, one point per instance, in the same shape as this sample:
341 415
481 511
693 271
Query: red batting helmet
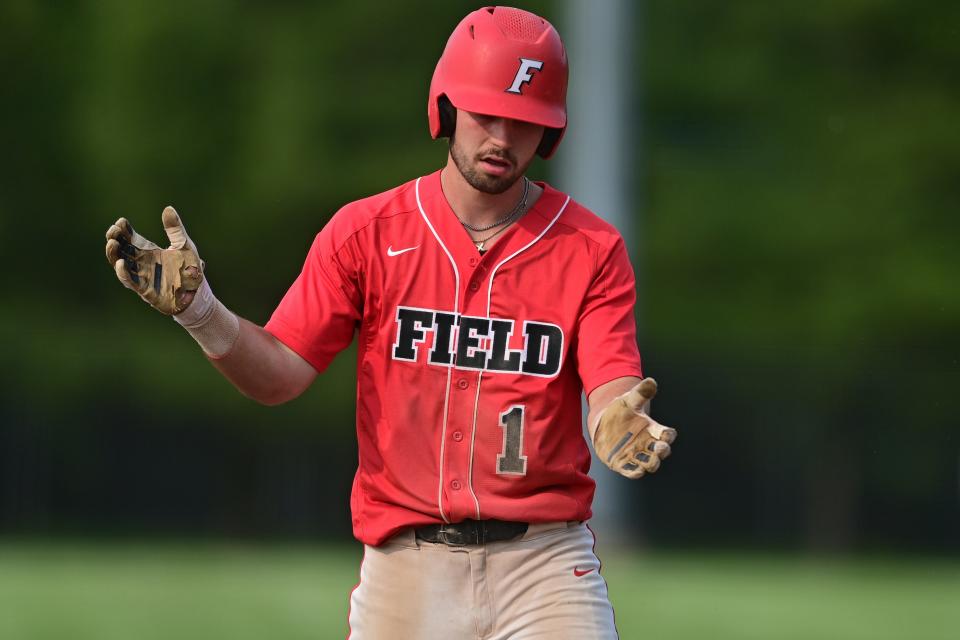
505 62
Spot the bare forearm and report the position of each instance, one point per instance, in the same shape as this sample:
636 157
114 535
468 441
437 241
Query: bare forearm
259 366
263 368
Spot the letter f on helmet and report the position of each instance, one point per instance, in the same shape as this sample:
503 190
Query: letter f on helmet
523 73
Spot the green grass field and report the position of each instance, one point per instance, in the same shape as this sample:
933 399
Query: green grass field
208 592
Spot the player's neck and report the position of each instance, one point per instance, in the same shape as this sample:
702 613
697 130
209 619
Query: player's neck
476 207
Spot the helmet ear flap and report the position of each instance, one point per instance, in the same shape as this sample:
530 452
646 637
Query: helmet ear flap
548 143
448 116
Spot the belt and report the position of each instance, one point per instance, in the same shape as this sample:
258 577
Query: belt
471 532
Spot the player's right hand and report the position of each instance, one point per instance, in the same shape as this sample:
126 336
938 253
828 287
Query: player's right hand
166 278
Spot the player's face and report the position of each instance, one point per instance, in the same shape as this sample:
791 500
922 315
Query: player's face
492 153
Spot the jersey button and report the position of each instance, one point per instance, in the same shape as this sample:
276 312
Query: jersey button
458 436
455 485
462 383
474 286
473 262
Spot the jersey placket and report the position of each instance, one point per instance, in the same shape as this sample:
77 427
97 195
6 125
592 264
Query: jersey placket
464 398
460 464
457 500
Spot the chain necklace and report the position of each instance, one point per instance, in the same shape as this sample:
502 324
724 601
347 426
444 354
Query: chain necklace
480 242
507 218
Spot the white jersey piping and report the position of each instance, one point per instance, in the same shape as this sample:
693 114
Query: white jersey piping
493 272
456 310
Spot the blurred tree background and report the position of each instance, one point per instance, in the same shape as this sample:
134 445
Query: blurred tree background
799 190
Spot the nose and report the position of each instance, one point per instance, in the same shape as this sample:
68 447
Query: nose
501 130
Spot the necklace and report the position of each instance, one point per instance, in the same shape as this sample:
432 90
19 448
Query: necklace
480 242
507 218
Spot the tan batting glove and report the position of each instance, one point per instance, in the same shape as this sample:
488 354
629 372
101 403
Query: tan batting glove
627 439
171 281
166 278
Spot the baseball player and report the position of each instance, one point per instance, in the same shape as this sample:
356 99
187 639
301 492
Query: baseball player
483 303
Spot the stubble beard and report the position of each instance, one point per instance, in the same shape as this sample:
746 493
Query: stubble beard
479 180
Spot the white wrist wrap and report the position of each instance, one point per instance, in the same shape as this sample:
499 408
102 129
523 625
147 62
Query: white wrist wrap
212 325
594 425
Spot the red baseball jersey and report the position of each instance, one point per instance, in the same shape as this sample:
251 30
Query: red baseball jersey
470 367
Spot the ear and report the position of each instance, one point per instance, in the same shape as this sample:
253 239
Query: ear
448 116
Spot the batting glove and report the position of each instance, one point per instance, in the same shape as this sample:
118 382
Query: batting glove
627 439
166 278
171 281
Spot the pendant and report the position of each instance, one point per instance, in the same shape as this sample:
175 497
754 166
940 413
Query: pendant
479 245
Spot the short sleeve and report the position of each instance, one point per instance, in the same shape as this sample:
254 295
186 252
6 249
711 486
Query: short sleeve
318 315
606 328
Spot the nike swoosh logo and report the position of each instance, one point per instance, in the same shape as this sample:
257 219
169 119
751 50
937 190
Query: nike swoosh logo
391 252
579 573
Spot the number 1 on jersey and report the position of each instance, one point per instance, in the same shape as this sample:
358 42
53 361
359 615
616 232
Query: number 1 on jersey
510 462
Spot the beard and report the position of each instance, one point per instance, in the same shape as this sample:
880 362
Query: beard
480 180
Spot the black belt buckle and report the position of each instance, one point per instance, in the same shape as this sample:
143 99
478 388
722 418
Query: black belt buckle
471 532
462 533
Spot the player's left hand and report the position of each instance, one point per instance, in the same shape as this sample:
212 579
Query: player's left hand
627 439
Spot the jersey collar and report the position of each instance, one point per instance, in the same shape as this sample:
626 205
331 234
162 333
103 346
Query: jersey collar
457 240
